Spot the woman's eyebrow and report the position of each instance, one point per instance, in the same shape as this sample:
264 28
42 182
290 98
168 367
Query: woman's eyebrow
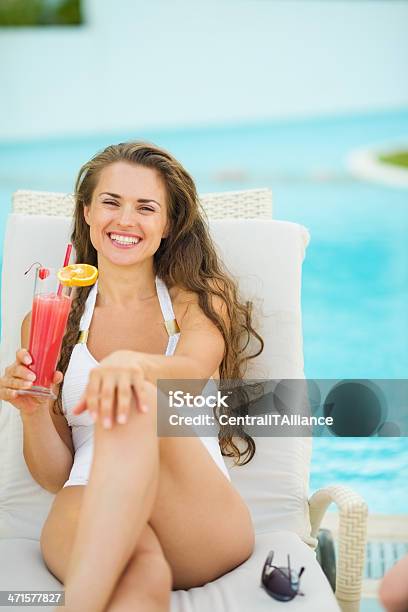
141 200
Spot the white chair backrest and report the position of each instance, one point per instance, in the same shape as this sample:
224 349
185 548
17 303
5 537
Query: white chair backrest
248 204
266 257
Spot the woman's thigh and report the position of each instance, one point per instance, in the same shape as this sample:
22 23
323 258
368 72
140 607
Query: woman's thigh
203 524
58 532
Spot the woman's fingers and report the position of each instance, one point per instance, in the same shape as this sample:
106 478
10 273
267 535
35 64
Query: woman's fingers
18 371
92 394
58 376
10 394
16 382
21 371
107 399
125 396
138 383
23 356
110 394
16 377
130 386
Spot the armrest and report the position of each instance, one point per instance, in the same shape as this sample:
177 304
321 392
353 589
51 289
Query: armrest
351 541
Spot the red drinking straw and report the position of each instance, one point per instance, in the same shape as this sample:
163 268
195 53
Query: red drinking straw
66 260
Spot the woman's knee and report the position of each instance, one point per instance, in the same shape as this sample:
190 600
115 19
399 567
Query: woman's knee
138 423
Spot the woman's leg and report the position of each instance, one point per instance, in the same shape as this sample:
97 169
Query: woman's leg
59 530
145 585
203 525
146 581
122 485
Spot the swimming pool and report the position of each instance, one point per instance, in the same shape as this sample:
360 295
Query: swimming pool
355 276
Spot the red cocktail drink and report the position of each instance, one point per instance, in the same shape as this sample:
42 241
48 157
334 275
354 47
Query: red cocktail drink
48 322
49 316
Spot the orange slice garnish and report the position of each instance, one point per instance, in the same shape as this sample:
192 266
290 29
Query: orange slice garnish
77 275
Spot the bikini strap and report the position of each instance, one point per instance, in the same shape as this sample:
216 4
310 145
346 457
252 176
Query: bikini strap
87 315
166 308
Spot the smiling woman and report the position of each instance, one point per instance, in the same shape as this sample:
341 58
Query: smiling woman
116 208
163 307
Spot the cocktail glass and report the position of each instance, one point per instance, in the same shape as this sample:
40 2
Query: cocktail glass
49 316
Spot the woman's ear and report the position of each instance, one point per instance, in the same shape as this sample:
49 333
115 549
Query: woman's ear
86 214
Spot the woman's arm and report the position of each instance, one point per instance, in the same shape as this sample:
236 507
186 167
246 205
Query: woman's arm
47 440
47 457
198 354
199 351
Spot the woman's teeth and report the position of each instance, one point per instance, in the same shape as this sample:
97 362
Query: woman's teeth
123 241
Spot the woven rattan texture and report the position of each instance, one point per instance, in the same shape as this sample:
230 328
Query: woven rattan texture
249 204
352 537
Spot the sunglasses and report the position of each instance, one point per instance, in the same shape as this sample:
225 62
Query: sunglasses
281 583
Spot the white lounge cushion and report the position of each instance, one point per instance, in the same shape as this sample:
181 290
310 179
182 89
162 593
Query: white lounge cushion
266 257
22 567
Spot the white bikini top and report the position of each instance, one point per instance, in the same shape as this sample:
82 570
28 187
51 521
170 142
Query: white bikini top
81 361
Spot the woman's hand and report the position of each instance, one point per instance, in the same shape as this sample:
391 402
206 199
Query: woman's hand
18 376
112 388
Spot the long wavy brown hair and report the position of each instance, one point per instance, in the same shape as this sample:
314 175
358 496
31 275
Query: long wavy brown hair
186 259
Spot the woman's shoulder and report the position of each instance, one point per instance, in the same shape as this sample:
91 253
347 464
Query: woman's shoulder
181 299
185 300
184 295
180 295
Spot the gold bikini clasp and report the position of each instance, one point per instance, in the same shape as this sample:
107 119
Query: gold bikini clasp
83 336
172 327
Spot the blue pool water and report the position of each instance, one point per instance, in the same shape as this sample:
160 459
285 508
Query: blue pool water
355 276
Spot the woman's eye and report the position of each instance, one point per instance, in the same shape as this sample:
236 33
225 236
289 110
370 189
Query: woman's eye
116 204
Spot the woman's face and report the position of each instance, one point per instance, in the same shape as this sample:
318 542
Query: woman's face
128 201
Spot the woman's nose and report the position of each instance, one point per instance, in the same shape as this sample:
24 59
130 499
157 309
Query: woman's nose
127 217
